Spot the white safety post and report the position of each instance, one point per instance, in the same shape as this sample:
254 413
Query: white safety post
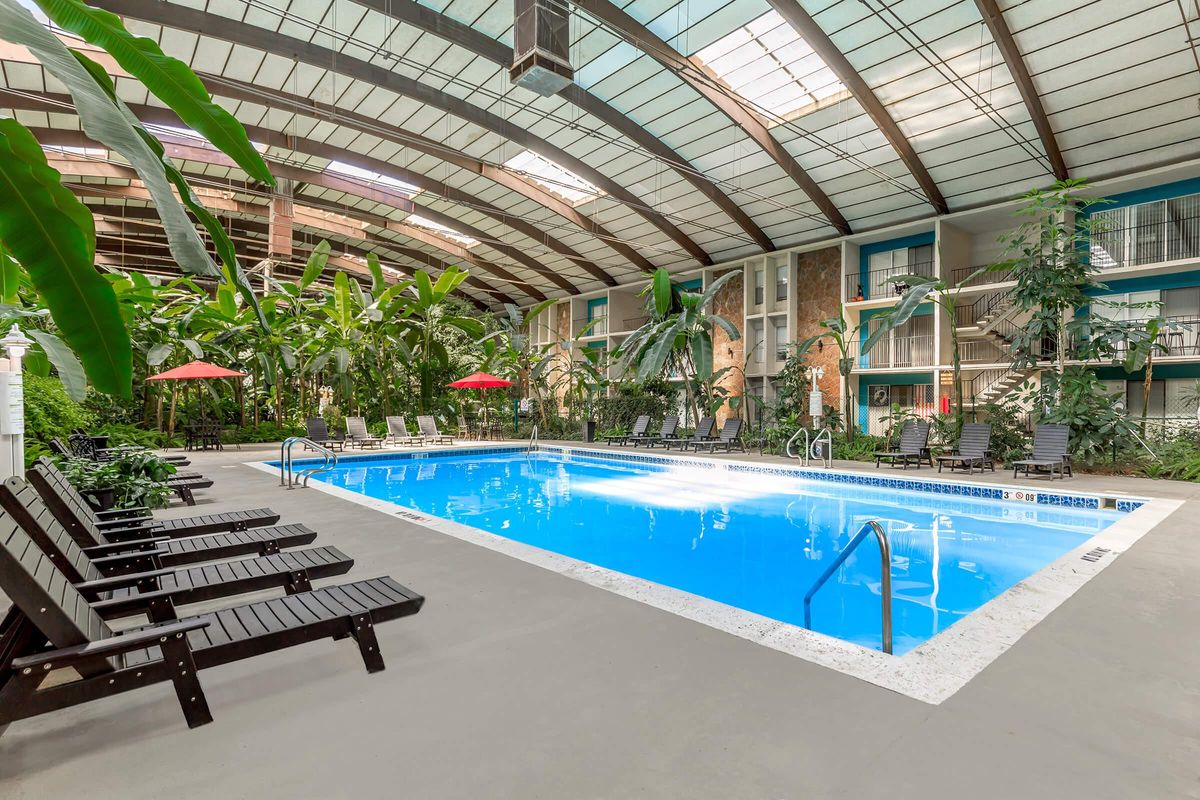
12 404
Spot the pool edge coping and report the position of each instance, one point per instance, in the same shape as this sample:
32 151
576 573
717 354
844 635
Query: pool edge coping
931 672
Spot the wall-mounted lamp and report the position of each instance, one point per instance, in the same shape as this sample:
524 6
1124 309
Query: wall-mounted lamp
15 343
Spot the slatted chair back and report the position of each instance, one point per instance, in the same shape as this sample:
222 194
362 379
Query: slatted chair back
1051 442
704 428
731 429
670 425
317 430
82 446
975 440
22 502
428 426
357 428
914 436
640 425
59 449
64 500
397 426
44 595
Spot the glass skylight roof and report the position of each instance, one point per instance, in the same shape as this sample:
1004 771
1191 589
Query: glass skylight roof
771 66
449 233
351 171
551 176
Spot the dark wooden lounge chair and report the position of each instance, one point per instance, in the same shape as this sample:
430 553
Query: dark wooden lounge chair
703 433
157 546
637 433
123 578
72 510
398 432
913 447
974 443
183 484
317 431
668 433
47 608
358 435
729 436
83 445
429 431
1051 452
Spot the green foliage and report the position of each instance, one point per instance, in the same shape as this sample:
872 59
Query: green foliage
335 420
618 412
136 478
49 413
1008 430
126 434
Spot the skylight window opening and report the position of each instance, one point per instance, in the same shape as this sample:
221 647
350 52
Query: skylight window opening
552 177
72 150
442 230
771 66
366 175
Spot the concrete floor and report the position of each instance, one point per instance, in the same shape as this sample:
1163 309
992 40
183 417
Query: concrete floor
515 682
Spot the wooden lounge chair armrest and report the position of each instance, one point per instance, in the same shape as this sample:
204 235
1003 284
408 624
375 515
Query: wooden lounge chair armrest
107 564
130 548
117 513
120 523
121 581
127 532
113 646
144 602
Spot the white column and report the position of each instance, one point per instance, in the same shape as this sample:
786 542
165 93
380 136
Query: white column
12 405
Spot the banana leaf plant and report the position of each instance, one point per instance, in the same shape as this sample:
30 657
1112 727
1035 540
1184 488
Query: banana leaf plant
427 319
677 341
46 229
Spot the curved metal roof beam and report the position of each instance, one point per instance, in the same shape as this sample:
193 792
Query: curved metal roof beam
380 194
424 18
994 17
687 70
823 46
203 23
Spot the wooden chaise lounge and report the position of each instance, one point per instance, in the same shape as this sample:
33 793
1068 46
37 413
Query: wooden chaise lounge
639 432
73 511
47 608
120 580
727 439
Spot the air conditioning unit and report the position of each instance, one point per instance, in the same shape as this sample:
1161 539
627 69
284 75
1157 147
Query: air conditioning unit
541 46
880 396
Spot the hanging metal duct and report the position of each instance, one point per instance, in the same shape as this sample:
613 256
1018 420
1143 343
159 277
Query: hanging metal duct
541 46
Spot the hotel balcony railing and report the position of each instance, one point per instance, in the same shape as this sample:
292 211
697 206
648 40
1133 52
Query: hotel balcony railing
1180 338
959 276
896 352
877 283
600 328
633 323
1173 239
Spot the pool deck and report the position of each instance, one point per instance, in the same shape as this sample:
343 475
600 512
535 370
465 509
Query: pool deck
516 682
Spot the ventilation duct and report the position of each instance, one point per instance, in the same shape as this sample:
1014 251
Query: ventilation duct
541 46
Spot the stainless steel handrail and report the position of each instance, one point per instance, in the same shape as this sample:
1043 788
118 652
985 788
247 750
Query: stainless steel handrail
810 451
533 439
328 461
885 579
788 448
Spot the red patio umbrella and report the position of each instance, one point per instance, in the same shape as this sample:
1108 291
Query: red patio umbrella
481 381
193 371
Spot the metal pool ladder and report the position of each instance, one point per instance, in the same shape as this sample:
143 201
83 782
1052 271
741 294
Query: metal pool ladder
286 478
885 580
533 440
810 447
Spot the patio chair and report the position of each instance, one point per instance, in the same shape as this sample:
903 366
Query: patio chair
86 445
913 447
398 432
358 435
48 609
117 577
729 436
163 543
1051 452
974 443
183 484
317 431
430 433
703 433
668 432
637 433
139 522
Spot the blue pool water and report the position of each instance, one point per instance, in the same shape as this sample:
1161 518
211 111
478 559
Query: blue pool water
753 541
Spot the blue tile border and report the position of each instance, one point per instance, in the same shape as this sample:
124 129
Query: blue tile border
1068 500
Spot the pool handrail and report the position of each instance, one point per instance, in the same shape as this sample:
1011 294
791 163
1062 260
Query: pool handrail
885 578
329 461
533 439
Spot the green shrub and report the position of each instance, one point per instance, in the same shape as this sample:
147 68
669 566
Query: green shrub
49 413
136 478
335 420
119 433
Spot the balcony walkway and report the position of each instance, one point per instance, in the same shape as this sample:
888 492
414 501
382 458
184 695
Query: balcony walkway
515 682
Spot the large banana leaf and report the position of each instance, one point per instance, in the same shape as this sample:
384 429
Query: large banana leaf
316 264
10 278
232 271
341 301
52 234
169 79
70 371
661 288
103 121
158 354
378 282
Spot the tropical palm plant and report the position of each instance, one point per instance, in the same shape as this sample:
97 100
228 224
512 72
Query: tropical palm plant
678 338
